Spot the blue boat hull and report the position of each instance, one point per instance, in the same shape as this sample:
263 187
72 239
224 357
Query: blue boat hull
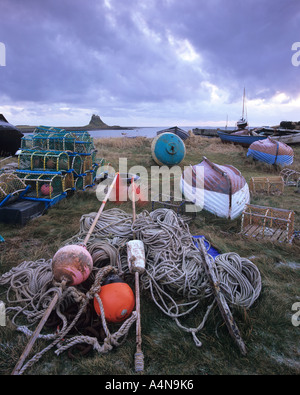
283 160
241 140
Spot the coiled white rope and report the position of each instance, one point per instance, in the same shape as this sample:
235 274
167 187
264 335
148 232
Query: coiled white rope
174 276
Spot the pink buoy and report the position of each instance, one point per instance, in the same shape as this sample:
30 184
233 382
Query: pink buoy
73 264
46 189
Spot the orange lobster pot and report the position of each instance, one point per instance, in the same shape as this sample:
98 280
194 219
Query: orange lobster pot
117 298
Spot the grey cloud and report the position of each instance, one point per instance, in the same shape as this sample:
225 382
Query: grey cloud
118 53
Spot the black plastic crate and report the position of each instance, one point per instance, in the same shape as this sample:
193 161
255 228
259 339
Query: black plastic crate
21 212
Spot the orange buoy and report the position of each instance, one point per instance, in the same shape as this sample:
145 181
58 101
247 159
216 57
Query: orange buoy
117 298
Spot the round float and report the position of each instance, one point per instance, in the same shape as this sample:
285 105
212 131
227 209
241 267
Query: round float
167 149
117 299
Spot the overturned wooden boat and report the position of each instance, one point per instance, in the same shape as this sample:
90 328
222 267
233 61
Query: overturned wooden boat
271 152
176 130
219 189
287 136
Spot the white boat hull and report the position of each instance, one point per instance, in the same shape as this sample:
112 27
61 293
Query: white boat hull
219 204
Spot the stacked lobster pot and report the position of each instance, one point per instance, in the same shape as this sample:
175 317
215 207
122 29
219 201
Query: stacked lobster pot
53 161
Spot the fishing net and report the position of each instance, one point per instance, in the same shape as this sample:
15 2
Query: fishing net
45 138
46 185
45 160
10 184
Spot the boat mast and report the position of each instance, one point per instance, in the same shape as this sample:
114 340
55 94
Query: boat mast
243 104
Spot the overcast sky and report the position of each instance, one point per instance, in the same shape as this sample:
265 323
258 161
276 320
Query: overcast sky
149 62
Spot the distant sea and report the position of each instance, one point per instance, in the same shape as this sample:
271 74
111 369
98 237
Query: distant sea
148 132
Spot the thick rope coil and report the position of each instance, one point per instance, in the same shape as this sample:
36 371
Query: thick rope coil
240 279
174 275
111 339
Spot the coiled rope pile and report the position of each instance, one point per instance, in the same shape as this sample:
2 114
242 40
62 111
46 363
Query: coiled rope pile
174 276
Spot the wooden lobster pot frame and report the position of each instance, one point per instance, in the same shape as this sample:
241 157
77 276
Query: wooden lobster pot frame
274 224
44 185
84 180
268 185
290 177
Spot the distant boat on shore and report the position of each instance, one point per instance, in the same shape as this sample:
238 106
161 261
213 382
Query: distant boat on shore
242 123
242 137
175 130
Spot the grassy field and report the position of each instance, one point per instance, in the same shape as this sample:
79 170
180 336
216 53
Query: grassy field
271 339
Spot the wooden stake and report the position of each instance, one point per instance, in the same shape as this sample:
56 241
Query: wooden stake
221 301
138 356
100 210
55 298
36 333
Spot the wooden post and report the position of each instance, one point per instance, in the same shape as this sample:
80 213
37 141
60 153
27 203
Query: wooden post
55 298
35 334
139 356
100 210
221 301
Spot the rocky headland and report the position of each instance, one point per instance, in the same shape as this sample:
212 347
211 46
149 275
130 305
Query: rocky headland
95 123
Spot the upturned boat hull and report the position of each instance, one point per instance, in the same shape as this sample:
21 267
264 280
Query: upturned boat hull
221 190
271 152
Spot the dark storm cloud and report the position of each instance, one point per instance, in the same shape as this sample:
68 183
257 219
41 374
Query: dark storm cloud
242 42
128 53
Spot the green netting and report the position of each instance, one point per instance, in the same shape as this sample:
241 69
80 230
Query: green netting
79 183
58 140
88 179
44 160
76 163
27 142
85 180
10 184
45 186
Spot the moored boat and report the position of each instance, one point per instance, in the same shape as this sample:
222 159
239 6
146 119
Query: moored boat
271 152
219 189
287 136
176 130
242 123
243 137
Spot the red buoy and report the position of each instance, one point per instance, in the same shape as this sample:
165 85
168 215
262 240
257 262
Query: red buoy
46 189
117 298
